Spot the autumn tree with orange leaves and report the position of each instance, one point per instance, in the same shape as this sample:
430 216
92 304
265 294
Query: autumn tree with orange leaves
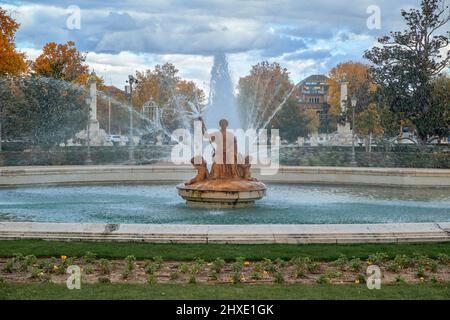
62 62
12 62
359 85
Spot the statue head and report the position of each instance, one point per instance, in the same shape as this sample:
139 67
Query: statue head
223 124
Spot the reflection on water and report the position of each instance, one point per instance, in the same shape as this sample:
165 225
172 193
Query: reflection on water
284 204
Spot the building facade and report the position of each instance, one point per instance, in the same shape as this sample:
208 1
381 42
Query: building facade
313 92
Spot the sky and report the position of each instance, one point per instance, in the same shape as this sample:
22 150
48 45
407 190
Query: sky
120 37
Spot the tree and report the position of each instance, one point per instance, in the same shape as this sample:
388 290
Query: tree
45 112
440 107
368 124
313 119
62 62
180 101
405 64
291 121
12 62
262 92
359 85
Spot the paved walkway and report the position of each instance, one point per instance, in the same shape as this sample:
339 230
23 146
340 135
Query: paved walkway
354 233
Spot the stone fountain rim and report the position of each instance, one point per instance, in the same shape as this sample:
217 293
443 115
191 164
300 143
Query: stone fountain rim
182 186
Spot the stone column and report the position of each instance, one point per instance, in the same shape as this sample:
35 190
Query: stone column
94 125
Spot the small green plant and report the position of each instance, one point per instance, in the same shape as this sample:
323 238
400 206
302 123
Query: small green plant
9 266
158 260
443 258
377 258
393 266
127 273
360 279
218 264
192 279
88 269
333 274
433 279
213 275
402 261
280 263
174 275
238 265
278 277
198 266
421 272
105 267
341 262
150 267
89 257
355 264
184 268
323 279
236 277
104 280
255 276
2 280
152 279
36 273
299 271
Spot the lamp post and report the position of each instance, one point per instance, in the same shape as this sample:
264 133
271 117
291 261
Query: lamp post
353 162
129 90
88 160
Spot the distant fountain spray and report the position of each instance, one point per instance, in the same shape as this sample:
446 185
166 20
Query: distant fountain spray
222 101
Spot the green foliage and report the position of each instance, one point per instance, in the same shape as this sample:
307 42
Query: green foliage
45 112
405 64
323 279
105 267
255 276
103 280
152 279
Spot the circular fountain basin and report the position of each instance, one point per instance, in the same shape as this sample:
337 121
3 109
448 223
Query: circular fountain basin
220 194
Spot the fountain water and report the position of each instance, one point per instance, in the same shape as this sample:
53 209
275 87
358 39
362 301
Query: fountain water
222 102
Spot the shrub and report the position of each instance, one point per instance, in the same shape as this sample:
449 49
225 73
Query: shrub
217 265
278 277
355 264
158 260
105 267
255 275
360 279
9 266
213 275
421 272
150 267
377 258
152 279
184 268
323 279
341 262
192 279
104 280
236 277
89 257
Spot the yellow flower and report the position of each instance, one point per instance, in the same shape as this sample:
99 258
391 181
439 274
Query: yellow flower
247 263
242 278
55 267
370 263
421 279
63 258
357 281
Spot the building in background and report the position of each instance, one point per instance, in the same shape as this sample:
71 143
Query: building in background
313 92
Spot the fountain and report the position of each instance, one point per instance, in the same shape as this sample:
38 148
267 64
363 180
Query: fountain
229 184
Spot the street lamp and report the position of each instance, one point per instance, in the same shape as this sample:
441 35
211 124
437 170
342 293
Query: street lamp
129 90
353 162
88 160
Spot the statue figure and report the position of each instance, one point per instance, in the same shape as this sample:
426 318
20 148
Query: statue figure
225 156
244 169
202 170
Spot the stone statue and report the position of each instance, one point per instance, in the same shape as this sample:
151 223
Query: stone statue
202 170
225 156
244 169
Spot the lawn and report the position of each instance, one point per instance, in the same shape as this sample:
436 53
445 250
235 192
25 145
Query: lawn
223 292
117 250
